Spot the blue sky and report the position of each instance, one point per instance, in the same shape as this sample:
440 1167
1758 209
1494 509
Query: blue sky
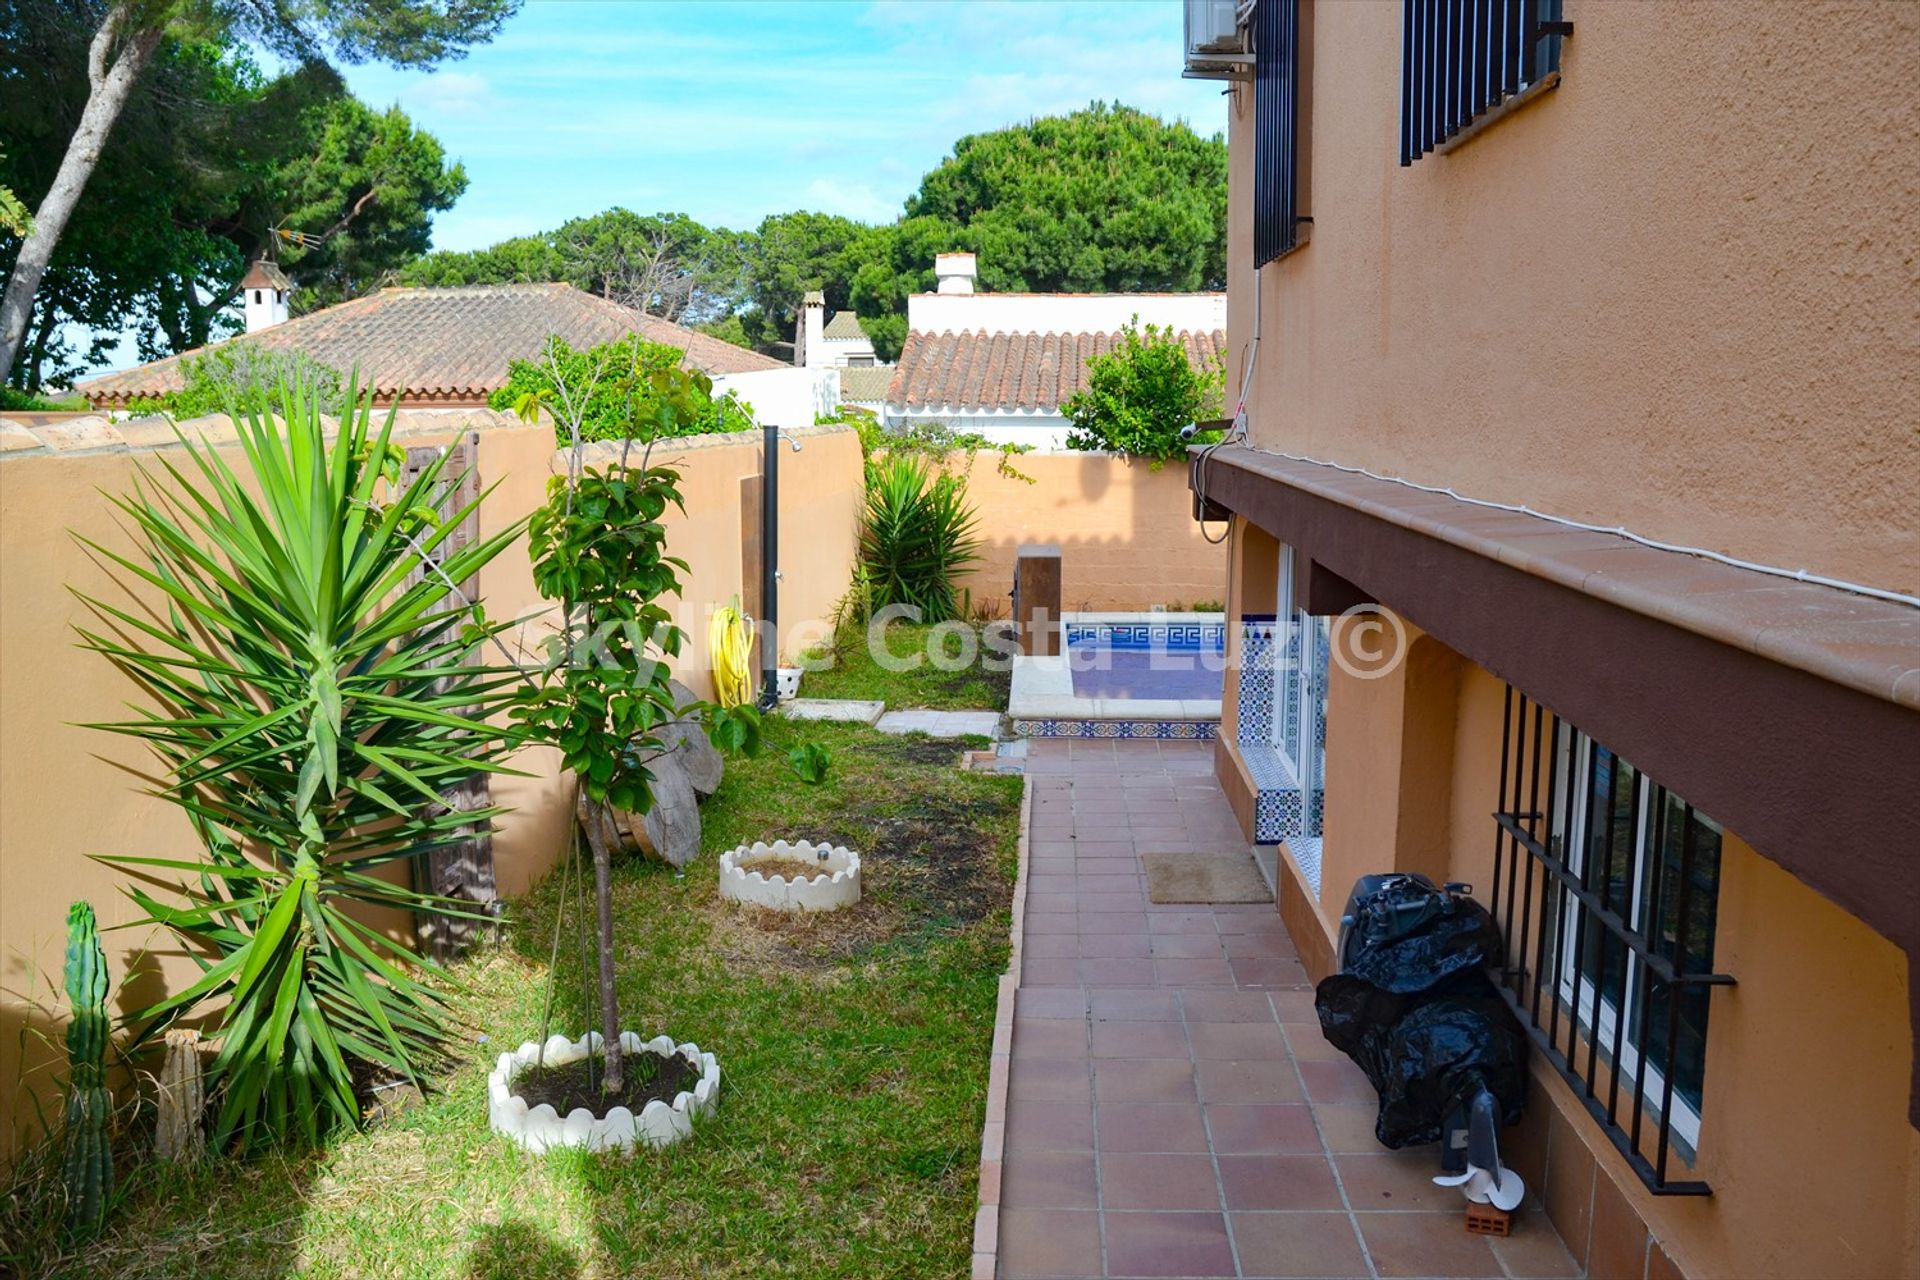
732 111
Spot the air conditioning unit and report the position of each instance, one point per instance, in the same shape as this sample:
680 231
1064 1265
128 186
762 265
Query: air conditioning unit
1216 41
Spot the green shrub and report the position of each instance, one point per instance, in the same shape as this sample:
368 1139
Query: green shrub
916 536
629 389
87 1156
1140 395
311 699
241 378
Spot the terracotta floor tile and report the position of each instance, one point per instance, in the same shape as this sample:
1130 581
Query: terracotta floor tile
1063 900
1275 1245
1143 1080
1279 1182
1168 1244
1050 1038
1110 972
1188 946
1237 1041
1051 922
1140 1040
1198 973
1114 946
1035 1124
1050 1180
1397 1180
1348 1127
1151 1126
1049 1080
1144 1004
1294 1007
1133 1181
1268 971
1251 919
1309 1043
1127 900
1267 1081
1038 971
1277 945
1038 882
1336 1081
1262 1128
1425 1244
1052 946
1181 921
1038 1243
1050 1003
1229 1006
1112 922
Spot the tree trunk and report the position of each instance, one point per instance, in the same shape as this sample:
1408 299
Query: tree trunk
598 824
110 78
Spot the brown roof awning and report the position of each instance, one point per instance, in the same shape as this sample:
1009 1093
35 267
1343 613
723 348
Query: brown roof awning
1786 710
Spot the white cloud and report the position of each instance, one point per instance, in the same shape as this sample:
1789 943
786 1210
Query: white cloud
854 200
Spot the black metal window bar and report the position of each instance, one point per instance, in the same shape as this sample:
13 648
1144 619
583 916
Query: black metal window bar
1276 129
1605 885
1461 58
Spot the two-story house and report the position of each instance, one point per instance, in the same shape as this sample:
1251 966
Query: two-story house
1575 518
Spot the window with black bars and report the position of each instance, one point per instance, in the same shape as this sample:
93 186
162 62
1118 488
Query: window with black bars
1606 888
1461 58
1277 162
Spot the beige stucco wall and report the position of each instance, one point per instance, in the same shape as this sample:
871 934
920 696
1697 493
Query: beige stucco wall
1675 293
1804 1135
66 792
1125 529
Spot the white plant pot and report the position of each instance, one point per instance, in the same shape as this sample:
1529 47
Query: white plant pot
786 682
541 1128
836 885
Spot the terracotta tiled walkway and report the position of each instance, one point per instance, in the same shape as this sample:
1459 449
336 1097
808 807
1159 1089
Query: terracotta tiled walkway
1172 1107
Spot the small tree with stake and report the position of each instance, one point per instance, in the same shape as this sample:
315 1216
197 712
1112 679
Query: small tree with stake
599 551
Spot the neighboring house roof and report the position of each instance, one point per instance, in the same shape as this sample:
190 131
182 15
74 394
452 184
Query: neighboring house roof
447 344
1011 370
866 385
266 275
844 327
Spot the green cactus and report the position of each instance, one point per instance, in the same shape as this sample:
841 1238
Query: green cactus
88 1159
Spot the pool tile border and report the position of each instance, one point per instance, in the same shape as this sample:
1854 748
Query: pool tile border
1161 730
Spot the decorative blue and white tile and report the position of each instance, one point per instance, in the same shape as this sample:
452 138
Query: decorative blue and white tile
1255 695
1159 730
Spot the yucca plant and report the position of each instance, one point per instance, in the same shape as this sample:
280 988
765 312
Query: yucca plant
313 693
916 536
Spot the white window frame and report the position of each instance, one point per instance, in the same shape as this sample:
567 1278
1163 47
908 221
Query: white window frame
1574 761
1294 683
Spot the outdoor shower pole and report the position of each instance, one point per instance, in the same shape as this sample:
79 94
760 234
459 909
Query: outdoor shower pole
769 626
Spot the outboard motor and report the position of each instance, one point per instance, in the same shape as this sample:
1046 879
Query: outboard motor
1414 1008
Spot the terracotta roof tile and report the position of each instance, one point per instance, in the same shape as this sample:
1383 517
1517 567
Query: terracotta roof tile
446 343
1010 370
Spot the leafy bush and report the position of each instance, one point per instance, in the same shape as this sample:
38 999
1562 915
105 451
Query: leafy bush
1140 395
936 441
23 402
240 377
312 701
622 391
916 536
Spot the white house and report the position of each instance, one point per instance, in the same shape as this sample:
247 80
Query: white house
1002 364
837 343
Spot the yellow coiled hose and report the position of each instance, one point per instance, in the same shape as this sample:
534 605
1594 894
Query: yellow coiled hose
730 646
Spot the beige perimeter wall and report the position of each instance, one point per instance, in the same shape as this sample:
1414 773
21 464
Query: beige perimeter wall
68 792
1677 293
1126 531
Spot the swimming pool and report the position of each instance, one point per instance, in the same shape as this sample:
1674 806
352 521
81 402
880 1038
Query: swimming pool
1125 675
1182 661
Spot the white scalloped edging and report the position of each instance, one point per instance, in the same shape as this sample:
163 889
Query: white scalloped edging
542 1128
837 885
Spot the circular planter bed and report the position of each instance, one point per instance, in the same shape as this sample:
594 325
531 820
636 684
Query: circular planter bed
549 1102
791 876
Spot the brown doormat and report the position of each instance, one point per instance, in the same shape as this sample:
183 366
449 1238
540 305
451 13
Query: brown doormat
1188 877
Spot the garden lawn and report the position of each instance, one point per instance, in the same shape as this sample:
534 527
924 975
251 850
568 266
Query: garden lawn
854 672
853 1049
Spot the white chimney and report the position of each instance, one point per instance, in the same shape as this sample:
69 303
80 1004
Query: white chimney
809 336
265 289
954 271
